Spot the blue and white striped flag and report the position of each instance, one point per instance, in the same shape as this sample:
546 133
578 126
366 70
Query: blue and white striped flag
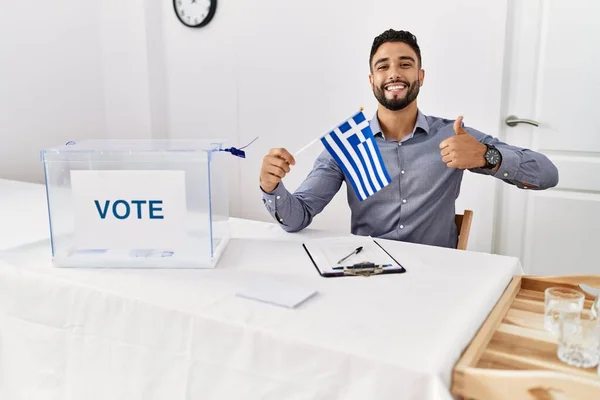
353 147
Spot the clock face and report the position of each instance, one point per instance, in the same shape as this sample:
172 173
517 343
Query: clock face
195 13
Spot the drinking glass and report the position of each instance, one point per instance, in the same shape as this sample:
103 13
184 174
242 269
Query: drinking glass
561 303
579 342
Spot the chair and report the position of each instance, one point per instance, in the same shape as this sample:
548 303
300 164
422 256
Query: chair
463 223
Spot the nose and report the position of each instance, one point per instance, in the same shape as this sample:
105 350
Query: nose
395 74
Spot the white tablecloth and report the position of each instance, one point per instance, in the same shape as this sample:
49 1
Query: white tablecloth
23 213
183 334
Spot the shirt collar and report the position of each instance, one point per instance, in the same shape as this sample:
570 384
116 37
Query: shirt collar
421 124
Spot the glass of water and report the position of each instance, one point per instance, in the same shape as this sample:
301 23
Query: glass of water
562 303
579 342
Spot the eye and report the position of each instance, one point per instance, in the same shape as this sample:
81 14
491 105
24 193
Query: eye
405 65
382 67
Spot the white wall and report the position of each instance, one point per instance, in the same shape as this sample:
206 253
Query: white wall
288 71
72 70
51 81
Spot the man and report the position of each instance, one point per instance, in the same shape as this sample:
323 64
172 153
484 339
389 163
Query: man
424 155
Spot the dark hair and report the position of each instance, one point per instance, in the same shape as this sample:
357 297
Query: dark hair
395 36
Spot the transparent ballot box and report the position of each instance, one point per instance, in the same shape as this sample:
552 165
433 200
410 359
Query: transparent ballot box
137 203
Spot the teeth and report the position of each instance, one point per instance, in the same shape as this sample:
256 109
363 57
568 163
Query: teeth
396 87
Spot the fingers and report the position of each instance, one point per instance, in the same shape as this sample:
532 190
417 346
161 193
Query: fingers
270 179
452 162
458 124
447 159
448 142
458 128
275 170
276 164
283 154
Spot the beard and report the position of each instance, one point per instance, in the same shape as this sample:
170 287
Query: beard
397 104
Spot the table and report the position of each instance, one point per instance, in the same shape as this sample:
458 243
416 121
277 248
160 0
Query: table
23 213
183 334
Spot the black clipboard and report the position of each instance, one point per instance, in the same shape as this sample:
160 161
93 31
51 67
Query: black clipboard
369 270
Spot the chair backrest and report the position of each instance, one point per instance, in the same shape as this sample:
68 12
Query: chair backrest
463 223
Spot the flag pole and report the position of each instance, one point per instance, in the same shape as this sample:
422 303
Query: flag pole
312 142
307 146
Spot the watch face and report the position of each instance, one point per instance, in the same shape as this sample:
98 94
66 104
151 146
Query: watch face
492 156
195 13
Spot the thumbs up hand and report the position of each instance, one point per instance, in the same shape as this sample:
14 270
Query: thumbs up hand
462 150
458 128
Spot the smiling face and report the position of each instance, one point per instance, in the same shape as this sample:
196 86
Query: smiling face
396 75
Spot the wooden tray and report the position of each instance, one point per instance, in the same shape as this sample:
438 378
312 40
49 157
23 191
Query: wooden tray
513 357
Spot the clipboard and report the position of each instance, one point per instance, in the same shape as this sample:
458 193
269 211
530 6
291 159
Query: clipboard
373 260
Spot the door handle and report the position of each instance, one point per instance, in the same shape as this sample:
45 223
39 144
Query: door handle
512 120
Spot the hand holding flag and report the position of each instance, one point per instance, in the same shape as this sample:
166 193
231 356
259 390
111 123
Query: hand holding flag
351 144
276 164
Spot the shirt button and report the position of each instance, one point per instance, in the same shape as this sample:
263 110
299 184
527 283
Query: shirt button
401 226
505 174
404 200
270 201
399 144
278 197
402 172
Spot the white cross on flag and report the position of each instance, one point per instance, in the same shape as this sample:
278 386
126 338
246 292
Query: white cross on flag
353 147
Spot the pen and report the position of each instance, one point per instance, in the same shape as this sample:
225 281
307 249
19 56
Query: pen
356 251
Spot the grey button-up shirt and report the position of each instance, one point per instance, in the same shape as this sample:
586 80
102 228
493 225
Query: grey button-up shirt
419 204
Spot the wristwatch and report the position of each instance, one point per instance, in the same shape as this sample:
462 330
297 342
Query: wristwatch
492 157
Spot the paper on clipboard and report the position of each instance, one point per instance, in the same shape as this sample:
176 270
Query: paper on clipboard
325 254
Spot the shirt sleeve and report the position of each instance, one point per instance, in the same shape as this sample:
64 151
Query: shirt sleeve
295 211
521 167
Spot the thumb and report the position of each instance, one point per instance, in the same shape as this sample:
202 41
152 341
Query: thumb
458 128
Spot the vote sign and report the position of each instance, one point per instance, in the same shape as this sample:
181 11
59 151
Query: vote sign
129 209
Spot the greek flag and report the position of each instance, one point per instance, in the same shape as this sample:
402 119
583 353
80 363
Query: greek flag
353 147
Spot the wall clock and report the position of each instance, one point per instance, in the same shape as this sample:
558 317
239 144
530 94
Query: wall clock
195 13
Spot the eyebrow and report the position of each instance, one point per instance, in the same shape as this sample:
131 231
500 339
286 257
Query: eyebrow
409 58
381 60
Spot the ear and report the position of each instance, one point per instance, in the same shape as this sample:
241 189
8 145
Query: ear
421 76
371 79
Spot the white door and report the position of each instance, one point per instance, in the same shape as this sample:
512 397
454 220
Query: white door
552 77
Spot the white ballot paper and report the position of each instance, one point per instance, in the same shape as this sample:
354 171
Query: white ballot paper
276 291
